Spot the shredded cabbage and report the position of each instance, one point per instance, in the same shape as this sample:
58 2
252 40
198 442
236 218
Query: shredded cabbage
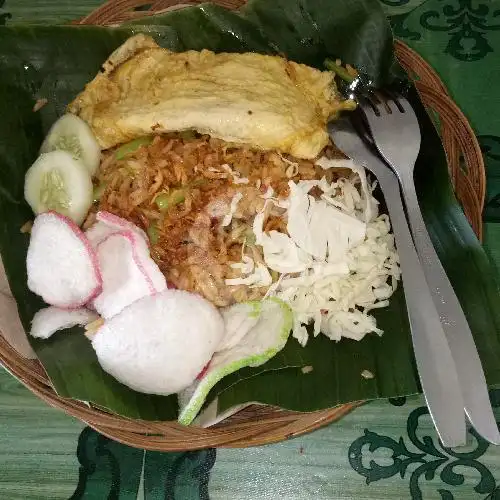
337 300
337 262
232 209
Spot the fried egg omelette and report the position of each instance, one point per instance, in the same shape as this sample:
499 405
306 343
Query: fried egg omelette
264 101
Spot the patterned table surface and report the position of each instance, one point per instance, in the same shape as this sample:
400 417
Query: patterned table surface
384 450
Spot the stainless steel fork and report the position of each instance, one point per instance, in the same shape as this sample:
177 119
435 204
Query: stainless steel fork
396 133
435 364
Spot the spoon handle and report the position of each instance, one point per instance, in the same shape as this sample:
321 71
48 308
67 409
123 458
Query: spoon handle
455 325
435 363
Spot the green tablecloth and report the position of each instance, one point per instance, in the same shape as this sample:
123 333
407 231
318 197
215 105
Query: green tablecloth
384 450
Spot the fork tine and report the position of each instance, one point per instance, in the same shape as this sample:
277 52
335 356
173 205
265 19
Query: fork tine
377 102
390 102
375 96
368 103
386 101
396 99
401 102
405 104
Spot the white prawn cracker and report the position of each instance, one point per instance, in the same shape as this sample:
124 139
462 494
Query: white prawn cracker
61 264
108 224
112 221
257 343
124 279
49 320
159 344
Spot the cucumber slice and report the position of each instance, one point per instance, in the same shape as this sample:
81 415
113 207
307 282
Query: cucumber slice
56 181
73 135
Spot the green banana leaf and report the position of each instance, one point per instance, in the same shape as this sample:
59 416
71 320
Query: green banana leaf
56 62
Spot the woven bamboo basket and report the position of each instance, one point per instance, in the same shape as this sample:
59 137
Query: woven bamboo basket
257 425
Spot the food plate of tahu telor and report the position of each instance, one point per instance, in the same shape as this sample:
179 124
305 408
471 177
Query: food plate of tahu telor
194 226
222 218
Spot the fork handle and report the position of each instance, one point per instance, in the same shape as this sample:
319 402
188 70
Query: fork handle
435 363
455 325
